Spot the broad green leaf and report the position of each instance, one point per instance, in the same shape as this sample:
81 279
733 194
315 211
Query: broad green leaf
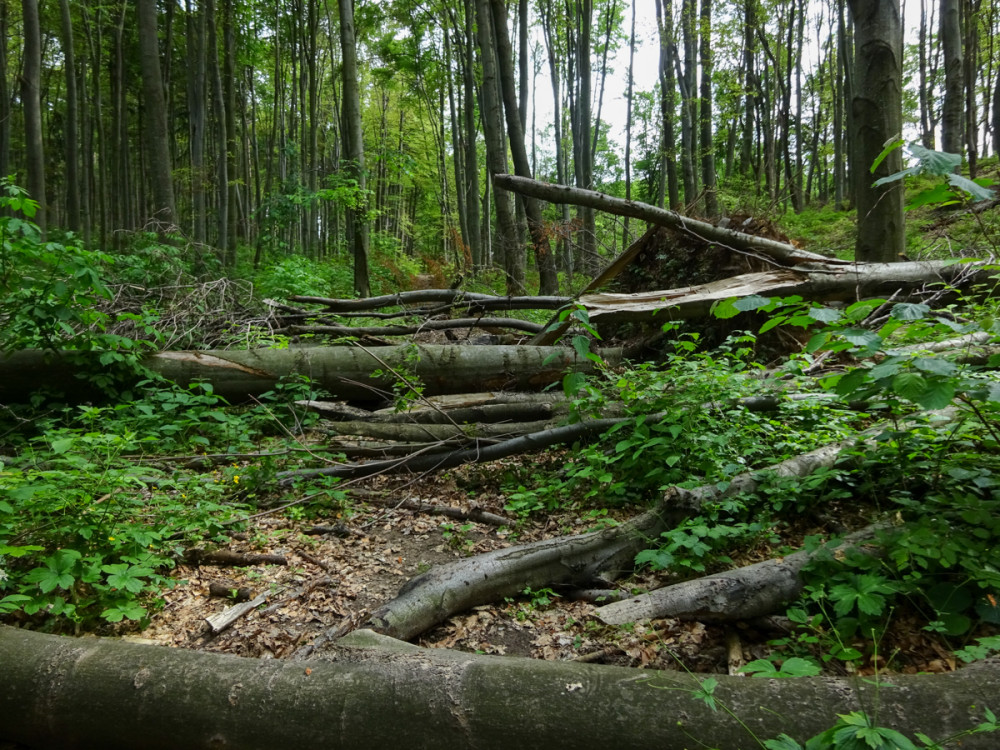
825 314
860 310
866 341
910 311
937 163
725 309
909 385
938 195
773 322
896 176
936 366
573 382
850 382
817 342
753 302
937 395
978 192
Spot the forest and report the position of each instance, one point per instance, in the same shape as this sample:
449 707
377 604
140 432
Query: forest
499 373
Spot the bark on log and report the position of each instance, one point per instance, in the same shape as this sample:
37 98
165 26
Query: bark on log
400 330
344 371
779 251
374 693
469 300
415 433
739 594
827 283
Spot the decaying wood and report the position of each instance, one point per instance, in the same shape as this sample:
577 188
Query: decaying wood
738 594
412 433
365 693
576 560
407 330
439 460
226 557
229 590
347 372
222 620
453 297
827 283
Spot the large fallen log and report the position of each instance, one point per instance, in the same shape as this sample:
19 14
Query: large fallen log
375 693
738 594
826 283
778 251
347 372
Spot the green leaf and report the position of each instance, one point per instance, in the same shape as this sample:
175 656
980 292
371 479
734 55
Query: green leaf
864 340
935 366
893 144
825 314
572 383
938 163
783 742
939 195
909 311
752 302
937 395
725 309
909 385
896 176
978 192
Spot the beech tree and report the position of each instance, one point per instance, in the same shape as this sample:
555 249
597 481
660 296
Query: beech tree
877 118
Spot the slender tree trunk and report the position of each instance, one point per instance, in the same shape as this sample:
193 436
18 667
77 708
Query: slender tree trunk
689 106
31 82
5 102
708 177
354 148
197 54
72 131
952 132
222 138
471 184
628 127
747 161
157 150
496 153
878 117
545 260
562 169
584 25
924 85
971 62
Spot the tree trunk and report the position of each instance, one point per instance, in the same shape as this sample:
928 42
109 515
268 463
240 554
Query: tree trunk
31 82
222 137
877 111
72 175
496 152
367 691
157 145
952 133
689 105
708 178
354 147
548 282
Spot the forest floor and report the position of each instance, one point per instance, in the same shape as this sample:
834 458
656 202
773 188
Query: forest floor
334 580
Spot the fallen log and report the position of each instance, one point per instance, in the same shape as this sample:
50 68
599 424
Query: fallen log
826 283
738 594
453 297
481 451
579 560
347 372
368 692
415 433
778 251
407 330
